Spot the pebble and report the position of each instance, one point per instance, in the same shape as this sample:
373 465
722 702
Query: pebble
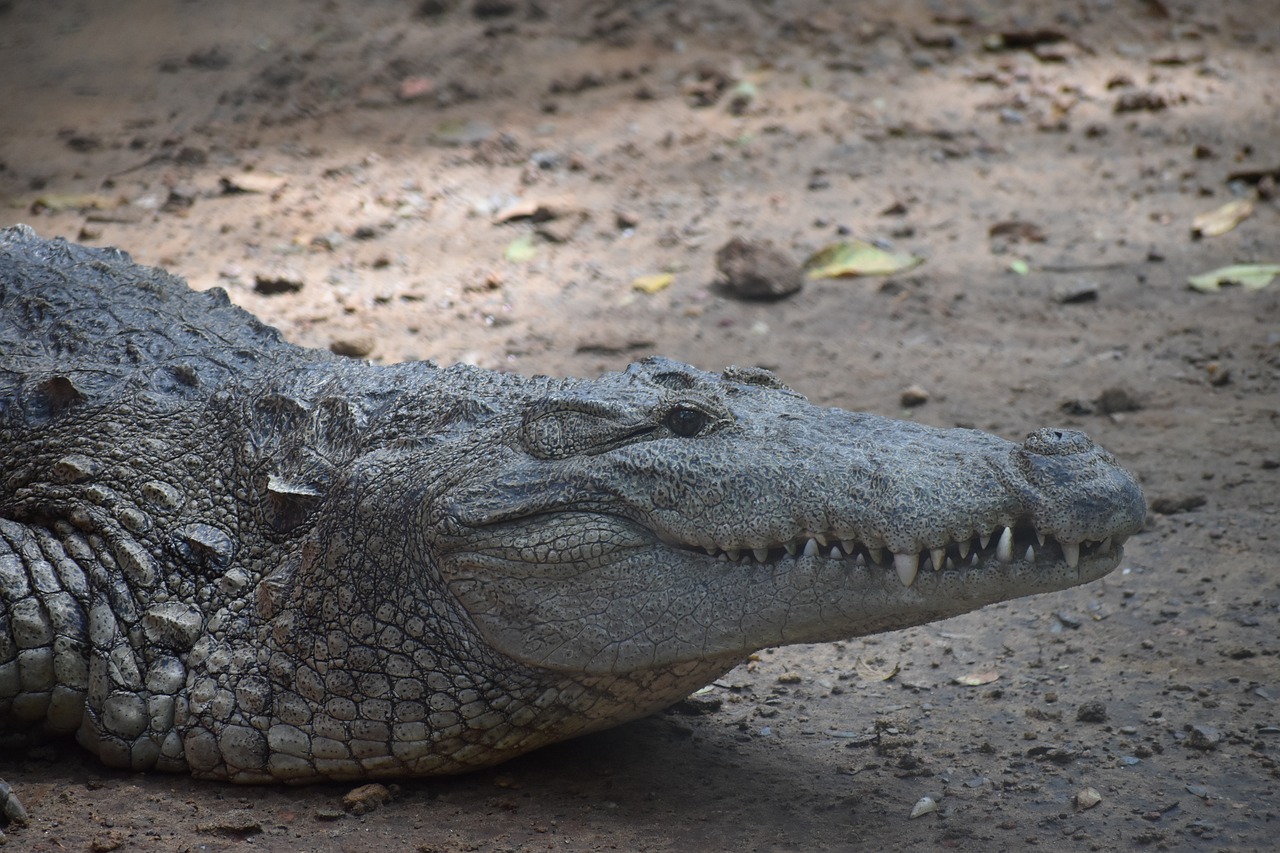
1087 798
1077 292
1092 712
366 798
914 396
1113 400
1173 504
924 806
356 346
1203 737
275 283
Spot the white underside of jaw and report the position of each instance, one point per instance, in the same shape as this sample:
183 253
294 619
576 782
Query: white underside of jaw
1000 543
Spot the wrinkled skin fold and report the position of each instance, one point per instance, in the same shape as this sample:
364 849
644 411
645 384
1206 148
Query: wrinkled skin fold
225 555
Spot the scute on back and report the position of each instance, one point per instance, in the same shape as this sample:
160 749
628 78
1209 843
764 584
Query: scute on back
80 324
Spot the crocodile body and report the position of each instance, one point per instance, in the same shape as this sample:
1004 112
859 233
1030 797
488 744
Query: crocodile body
226 555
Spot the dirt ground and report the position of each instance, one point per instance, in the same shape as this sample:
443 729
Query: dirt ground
486 182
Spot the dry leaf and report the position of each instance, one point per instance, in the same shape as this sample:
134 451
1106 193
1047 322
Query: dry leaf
653 283
57 202
977 679
1017 230
536 211
1220 220
521 249
250 182
867 672
856 257
1248 276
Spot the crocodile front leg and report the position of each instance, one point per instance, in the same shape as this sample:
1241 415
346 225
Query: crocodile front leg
43 641
44 632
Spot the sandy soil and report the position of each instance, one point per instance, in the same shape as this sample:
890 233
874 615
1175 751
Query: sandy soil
366 159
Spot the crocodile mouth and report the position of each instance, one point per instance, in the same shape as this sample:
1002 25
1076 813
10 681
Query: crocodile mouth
1003 545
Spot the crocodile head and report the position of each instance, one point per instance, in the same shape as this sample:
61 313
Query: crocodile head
664 515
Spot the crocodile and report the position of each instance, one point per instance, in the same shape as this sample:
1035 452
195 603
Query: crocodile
226 555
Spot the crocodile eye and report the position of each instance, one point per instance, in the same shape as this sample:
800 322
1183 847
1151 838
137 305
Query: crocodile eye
685 421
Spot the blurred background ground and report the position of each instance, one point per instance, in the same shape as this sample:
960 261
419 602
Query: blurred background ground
489 181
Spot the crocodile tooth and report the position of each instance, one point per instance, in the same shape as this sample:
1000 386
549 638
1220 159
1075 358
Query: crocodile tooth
821 539
811 548
761 554
939 557
1105 546
1040 537
734 554
1004 548
836 553
712 552
876 554
847 545
791 547
724 558
964 549
1071 553
906 565
858 559
984 539
1030 556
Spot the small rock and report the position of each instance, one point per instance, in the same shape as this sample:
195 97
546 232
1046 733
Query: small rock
272 284
914 396
105 842
696 706
1077 292
1217 374
790 678
366 798
741 97
11 807
434 8
936 37
923 806
356 346
1114 400
1068 620
1203 737
190 155
756 269
1143 100
1173 504
1087 798
493 8
234 825
1092 712
562 228
415 88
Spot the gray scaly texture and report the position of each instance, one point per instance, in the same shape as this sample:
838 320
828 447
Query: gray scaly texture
226 555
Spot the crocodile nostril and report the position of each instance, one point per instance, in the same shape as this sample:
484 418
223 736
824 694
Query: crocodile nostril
1057 442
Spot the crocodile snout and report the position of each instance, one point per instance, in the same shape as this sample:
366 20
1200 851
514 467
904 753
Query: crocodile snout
1074 488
